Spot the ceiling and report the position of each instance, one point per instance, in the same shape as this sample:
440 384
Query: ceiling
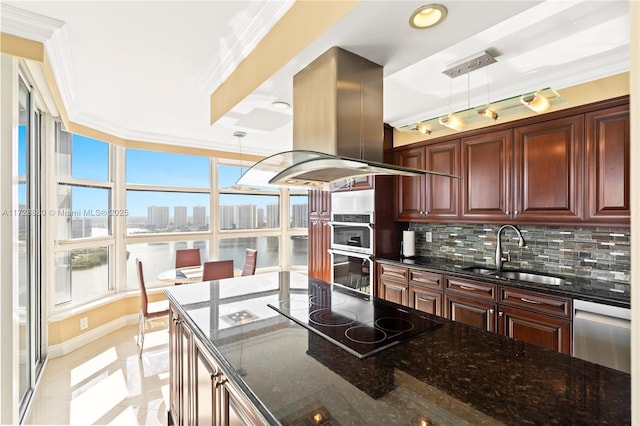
146 70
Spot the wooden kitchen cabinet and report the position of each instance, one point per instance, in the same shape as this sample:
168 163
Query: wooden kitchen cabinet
548 171
393 283
429 198
410 190
180 350
471 302
607 166
425 291
442 200
199 392
538 318
319 261
487 177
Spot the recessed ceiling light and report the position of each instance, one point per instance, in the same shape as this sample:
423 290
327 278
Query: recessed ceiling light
280 105
428 16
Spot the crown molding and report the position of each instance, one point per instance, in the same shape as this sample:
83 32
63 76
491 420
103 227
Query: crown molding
53 34
251 31
29 25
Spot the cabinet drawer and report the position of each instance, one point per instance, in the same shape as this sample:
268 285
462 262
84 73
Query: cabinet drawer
395 273
537 302
425 279
475 289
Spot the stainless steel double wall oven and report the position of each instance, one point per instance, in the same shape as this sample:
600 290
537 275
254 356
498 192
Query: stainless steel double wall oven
352 239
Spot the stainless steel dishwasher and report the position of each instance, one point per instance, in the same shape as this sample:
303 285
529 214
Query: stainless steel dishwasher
602 334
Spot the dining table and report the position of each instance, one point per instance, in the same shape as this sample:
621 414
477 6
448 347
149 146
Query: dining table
187 275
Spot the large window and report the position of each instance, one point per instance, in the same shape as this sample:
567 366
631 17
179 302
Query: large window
168 205
84 218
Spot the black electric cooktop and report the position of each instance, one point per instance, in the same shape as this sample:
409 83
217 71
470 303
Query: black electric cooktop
352 321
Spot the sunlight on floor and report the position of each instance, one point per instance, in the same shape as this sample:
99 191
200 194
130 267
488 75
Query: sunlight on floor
106 382
95 364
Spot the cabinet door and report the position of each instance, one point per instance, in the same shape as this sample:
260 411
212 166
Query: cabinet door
541 330
548 180
474 312
319 204
486 177
319 262
425 299
205 401
186 352
410 193
393 291
608 166
234 407
174 367
442 191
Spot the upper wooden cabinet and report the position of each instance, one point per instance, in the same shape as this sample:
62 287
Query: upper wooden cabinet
486 176
429 197
410 192
548 180
571 168
607 165
442 191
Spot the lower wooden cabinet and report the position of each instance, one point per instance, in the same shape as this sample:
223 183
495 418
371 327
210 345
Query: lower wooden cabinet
530 316
425 291
200 393
393 283
537 318
474 312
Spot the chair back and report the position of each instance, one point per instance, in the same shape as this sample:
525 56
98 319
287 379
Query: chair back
144 300
217 270
250 259
188 257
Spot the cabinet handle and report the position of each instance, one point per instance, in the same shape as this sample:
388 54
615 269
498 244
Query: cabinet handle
535 302
464 287
516 212
491 311
500 313
507 212
422 299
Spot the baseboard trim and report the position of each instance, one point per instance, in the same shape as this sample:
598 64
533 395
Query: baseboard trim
64 348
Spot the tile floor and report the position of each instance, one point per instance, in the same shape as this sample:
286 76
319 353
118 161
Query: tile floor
106 383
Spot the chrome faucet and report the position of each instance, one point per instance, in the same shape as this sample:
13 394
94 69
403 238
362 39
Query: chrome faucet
499 257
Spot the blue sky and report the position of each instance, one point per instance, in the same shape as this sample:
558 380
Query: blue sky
153 168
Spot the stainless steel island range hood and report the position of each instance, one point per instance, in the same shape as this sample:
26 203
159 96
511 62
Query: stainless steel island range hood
337 127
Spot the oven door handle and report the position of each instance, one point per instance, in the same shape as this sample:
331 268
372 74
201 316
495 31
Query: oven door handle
351 254
368 225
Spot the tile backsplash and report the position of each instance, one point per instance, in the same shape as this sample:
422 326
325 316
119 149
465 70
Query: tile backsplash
595 253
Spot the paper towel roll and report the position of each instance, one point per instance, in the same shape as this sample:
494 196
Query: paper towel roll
408 243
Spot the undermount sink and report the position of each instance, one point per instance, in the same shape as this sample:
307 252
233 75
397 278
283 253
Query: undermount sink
532 277
479 270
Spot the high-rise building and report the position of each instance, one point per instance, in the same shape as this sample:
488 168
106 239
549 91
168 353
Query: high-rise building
247 216
199 217
228 217
260 222
299 216
273 215
158 216
81 227
179 216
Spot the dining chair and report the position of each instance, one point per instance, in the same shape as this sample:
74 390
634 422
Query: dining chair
188 257
148 310
217 269
250 259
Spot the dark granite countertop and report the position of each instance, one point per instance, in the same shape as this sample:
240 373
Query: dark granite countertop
449 376
577 288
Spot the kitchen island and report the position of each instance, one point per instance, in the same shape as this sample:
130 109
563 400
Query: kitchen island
234 355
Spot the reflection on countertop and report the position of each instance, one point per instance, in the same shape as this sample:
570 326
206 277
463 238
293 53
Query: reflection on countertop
450 375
